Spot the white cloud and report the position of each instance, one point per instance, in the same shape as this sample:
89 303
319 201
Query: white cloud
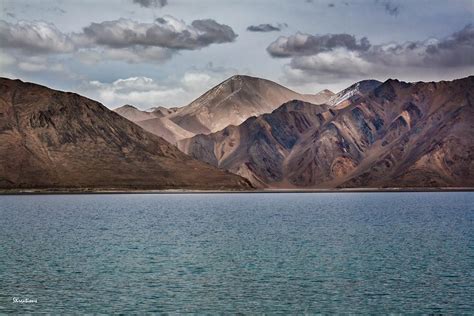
195 81
40 64
144 92
34 37
139 91
328 67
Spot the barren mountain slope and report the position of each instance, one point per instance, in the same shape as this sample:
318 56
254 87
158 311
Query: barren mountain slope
256 149
156 122
133 114
164 127
407 135
235 100
400 134
350 94
161 111
53 139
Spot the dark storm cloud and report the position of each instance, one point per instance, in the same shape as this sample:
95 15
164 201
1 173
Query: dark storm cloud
305 44
151 3
168 32
263 28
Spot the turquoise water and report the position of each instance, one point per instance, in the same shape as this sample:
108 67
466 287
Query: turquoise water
248 253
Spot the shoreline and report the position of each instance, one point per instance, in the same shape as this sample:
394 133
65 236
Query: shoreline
183 191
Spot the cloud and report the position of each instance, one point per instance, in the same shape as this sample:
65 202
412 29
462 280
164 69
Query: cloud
266 28
212 32
196 80
29 66
145 92
61 11
6 60
166 32
141 91
34 37
453 51
17 65
151 3
457 49
390 7
327 67
132 55
328 58
304 44
122 39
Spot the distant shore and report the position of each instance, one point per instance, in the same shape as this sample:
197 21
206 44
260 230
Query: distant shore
182 191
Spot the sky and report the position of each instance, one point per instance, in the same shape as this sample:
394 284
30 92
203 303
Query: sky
168 52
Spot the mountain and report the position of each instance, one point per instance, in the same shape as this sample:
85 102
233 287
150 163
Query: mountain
230 102
235 100
161 111
52 139
349 94
257 148
165 128
155 121
401 134
322 97
133 114
398 135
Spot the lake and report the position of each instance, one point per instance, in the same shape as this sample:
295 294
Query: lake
247 253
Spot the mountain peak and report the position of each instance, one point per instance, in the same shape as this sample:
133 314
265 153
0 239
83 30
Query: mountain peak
357 89
384 137
242 77
133 114
233 101
326 91
236 82
127 106
391 81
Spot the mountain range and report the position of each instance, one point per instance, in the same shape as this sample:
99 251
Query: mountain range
229 103
52 139
242 134
390 134
155 122
234 100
